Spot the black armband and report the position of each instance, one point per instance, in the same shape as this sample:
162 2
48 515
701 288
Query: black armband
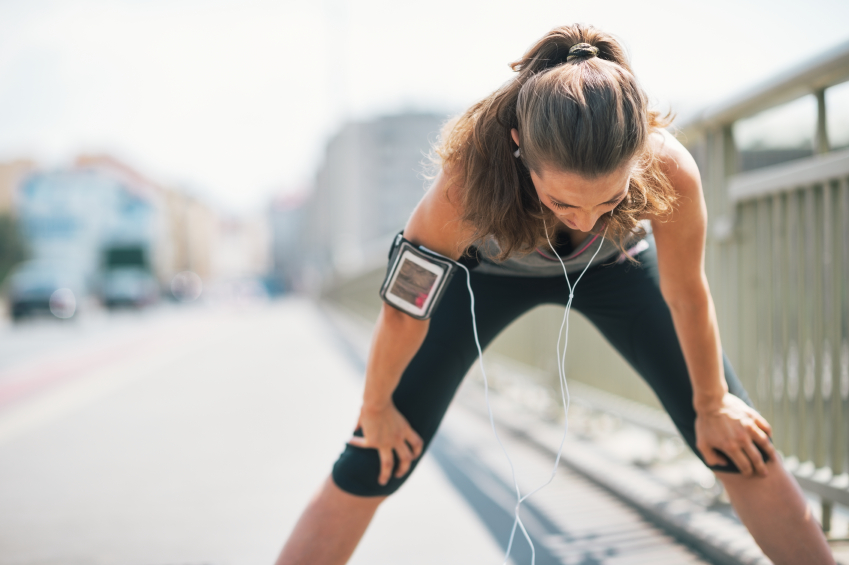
416 278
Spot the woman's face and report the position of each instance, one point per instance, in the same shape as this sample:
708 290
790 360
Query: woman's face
578 201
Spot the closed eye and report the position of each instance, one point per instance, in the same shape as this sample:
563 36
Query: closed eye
615 202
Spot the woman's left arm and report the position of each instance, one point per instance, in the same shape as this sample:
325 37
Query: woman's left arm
723 421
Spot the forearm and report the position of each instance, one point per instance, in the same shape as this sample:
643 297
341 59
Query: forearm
396 339
695 322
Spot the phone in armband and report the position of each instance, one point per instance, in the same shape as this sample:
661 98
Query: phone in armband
416 278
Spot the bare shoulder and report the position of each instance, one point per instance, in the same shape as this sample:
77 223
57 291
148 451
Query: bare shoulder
437 220
677 164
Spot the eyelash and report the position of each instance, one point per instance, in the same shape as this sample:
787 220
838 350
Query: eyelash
562 206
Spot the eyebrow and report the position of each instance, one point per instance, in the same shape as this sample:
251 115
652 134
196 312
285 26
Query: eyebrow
611 201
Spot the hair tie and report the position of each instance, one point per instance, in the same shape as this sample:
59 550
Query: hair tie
582 51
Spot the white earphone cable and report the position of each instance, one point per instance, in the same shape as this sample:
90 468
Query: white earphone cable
564 390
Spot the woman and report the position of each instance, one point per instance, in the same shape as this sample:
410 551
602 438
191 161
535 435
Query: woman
566 151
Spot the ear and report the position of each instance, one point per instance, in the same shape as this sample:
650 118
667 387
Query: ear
515 133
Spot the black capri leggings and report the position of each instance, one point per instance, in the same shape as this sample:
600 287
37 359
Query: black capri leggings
623 300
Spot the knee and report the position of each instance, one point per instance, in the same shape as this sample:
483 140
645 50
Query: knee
334 492
356 472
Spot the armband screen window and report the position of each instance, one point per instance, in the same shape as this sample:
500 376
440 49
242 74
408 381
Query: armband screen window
415 280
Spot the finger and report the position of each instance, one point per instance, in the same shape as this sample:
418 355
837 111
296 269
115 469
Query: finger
358 441
755 458
712 456
763 424
387 461
405 459
744 465
416 443
762 441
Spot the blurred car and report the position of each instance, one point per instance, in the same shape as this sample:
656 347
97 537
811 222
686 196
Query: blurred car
45 287
128 286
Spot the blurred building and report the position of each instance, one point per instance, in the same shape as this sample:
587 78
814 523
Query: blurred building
192 227
12 246
373 174
11 174
286 219
243 248
96 221
124 237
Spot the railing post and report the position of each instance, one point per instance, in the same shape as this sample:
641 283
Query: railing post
828 340
763 298
792 313
843 256
781 408
721 258
810 328
821 140
827 507
713 184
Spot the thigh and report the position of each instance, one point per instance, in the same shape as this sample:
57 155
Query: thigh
430 380
624 302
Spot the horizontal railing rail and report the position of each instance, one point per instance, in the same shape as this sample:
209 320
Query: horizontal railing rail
788 176
820 72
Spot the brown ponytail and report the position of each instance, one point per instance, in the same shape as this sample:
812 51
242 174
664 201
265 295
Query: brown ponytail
587 115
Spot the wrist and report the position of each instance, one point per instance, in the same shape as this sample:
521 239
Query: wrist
704 402
375 405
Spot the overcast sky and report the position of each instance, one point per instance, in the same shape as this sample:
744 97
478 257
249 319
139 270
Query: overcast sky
235 99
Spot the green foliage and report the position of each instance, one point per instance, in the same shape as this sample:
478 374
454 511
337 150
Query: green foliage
11 245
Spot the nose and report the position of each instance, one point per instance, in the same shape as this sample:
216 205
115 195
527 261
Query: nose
582 220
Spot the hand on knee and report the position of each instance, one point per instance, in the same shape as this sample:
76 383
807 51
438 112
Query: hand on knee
734 434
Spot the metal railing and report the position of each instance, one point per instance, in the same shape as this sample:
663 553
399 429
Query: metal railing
778 265
793 256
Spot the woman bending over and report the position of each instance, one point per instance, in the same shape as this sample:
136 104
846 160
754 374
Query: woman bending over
567 151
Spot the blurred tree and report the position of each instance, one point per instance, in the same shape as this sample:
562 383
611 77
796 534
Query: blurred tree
11 245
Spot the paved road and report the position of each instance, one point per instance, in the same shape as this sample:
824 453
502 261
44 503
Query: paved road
196 436
193 436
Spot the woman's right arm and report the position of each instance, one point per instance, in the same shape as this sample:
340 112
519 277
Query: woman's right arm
436 224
